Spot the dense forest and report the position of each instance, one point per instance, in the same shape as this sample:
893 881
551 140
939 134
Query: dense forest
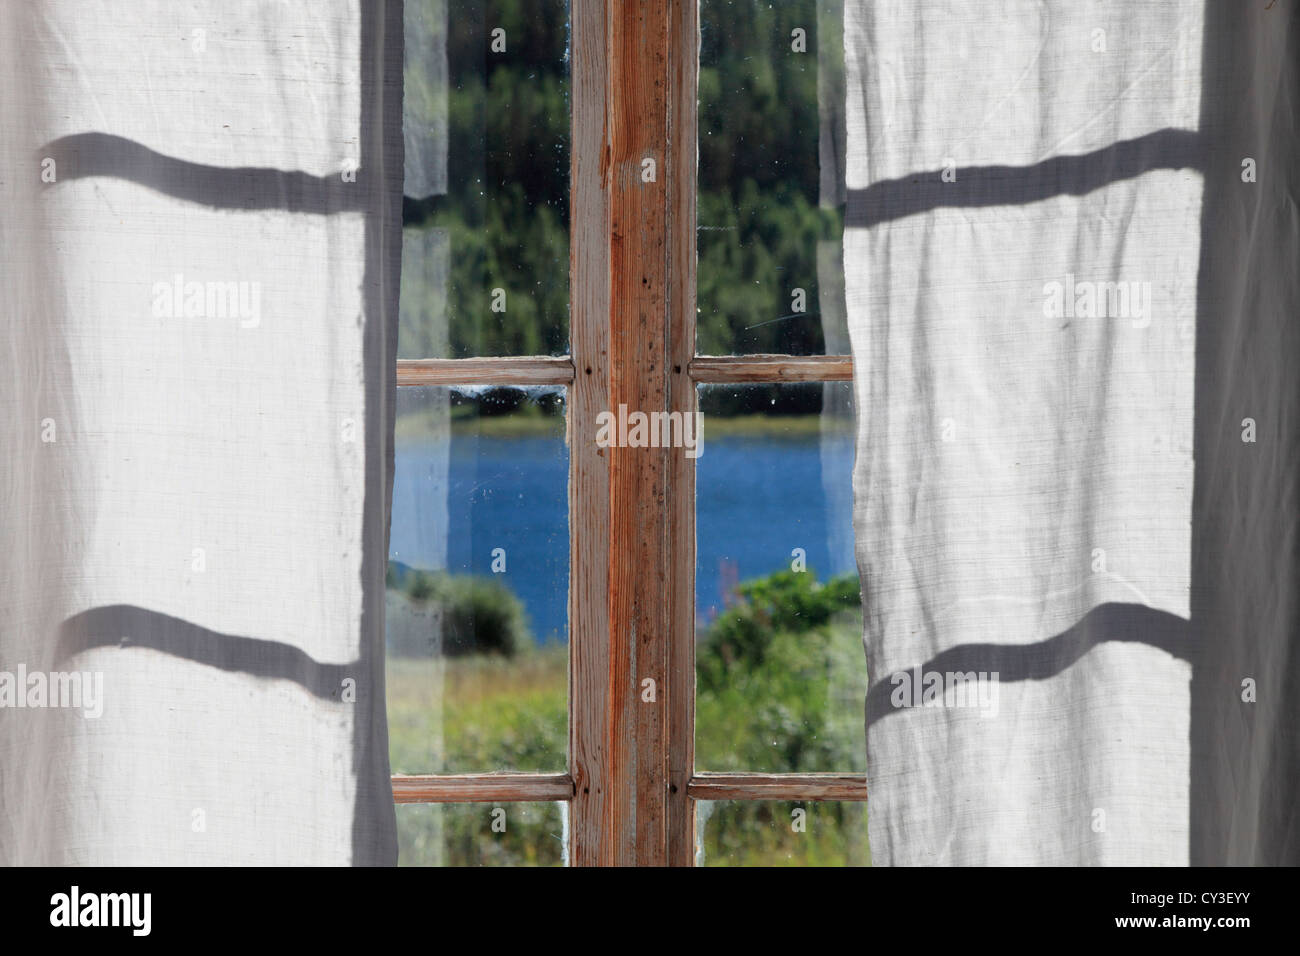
505 209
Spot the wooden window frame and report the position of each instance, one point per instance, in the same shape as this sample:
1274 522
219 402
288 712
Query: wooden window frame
631 785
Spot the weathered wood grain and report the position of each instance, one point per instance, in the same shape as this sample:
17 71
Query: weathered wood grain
722 369
520 370
684 45
778 786
482 788
589 518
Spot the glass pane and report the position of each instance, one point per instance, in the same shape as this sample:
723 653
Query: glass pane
776 833
482 834
478 581
771 179
485 257
780 673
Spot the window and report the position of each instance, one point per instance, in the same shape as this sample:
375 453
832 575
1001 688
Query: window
614 769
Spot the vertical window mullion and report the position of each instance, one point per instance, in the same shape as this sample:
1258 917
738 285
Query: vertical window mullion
639 568
683 182
589 476
623 562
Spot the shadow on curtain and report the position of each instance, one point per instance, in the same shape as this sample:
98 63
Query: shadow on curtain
376 192
1245 540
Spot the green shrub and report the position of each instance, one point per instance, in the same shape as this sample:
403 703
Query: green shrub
780 679
781 686
435 613
786 603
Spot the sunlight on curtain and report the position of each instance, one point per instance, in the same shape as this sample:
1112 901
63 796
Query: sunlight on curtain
1021 255
199 258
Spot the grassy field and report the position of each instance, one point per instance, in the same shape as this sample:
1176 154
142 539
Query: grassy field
776 698
478 713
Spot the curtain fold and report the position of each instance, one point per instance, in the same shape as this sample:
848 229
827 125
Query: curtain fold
199 258
1069 254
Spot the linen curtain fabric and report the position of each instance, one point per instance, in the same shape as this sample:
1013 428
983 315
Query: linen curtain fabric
199 255
1070 262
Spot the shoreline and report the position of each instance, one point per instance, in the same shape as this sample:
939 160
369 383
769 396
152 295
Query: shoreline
420 426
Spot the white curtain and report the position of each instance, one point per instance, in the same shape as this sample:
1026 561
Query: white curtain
1070 251
199 255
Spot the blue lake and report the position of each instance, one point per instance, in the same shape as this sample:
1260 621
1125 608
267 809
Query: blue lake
757 499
